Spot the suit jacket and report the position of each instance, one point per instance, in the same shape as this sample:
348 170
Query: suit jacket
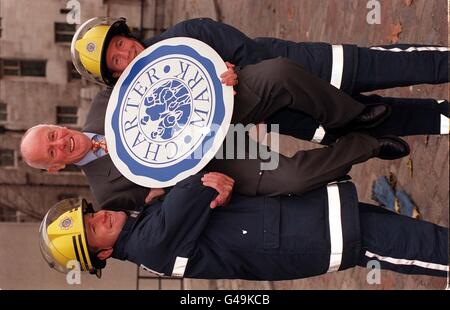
106 182
254 238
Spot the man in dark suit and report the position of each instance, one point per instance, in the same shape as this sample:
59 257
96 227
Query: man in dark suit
253 238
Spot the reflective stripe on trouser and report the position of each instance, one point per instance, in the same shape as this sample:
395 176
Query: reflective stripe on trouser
412 49
407 262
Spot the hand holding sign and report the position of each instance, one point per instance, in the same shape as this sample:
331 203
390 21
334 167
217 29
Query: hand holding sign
229 77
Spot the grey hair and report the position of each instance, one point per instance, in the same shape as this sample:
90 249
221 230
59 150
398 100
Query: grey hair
30 162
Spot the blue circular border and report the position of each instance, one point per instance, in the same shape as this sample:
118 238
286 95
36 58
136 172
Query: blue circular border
165 174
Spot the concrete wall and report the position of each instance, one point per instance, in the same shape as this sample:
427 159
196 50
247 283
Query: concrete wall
28 33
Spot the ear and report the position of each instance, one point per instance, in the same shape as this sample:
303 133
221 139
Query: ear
55 168
104 254
116 75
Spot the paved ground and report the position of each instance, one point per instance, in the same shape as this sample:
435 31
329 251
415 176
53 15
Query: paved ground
424 21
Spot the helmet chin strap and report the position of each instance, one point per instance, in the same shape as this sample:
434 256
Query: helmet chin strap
100 251
89 208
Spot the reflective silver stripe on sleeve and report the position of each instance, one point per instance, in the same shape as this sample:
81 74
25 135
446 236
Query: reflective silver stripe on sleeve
337 68
318 135
334 220
179 267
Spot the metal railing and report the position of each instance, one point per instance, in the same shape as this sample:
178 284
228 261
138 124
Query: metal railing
159 282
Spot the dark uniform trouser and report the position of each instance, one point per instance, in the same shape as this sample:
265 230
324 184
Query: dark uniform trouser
388 66
379 67
356 69
409 116
401 243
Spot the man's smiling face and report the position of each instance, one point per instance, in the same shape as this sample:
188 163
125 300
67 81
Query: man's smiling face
120 53
103 228
54 147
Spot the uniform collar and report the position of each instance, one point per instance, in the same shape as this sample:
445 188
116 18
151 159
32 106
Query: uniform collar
119 246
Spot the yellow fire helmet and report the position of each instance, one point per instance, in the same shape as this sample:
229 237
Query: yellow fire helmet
63 240
89 45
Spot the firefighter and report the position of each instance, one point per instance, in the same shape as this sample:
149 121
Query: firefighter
254 238
102 48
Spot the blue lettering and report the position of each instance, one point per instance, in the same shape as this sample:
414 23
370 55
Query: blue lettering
152 152
131 105
195 81
129 125
175 151
151 76
202 119
140 89
137 141
201 96
183 70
